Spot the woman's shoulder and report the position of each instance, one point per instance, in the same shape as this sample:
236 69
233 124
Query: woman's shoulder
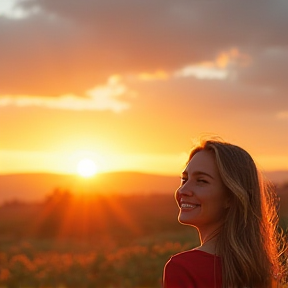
193 254
193 259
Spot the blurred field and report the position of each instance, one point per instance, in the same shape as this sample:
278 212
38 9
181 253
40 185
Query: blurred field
103 241
93 241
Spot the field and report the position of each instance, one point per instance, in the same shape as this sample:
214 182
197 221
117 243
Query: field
100 241
103 241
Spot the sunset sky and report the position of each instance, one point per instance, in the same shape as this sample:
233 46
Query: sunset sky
129 84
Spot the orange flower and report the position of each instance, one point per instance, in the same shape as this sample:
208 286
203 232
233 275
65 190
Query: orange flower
4 274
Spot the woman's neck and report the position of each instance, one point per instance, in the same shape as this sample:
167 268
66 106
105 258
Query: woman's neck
208 242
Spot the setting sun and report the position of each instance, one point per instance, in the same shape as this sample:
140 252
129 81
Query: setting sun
86 168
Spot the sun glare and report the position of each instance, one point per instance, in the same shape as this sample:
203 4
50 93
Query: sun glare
86 168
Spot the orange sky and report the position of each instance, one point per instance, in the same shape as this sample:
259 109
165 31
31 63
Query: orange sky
131 85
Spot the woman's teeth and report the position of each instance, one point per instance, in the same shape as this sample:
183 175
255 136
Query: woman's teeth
186 205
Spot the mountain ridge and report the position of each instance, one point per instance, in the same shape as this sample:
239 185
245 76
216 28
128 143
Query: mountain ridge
36 186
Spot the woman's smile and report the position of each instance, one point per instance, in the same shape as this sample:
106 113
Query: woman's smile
187 206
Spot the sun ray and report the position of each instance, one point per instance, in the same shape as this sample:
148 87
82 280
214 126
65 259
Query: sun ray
123 215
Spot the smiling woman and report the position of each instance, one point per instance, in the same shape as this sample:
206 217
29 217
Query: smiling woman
223 196
87 168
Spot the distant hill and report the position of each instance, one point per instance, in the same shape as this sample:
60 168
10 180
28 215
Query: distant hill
36 186
278 177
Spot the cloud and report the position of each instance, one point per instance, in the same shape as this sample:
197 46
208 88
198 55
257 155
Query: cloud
219 68
105 97
202 72
9 9
268 70
223 66
85 44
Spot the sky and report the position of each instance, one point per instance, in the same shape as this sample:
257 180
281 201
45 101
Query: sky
130 84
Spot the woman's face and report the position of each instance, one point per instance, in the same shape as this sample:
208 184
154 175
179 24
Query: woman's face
202 196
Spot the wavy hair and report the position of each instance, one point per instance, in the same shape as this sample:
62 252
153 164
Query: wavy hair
249 242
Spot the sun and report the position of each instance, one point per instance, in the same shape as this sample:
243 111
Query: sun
86 168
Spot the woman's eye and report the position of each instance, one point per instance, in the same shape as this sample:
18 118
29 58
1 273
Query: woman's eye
200 180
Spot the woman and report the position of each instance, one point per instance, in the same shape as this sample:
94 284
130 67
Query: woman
235 213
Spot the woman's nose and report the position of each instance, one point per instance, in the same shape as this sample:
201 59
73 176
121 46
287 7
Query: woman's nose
183 190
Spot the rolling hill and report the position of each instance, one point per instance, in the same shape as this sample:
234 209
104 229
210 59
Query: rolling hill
36 186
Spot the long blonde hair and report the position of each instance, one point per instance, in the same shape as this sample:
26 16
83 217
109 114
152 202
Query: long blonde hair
249 242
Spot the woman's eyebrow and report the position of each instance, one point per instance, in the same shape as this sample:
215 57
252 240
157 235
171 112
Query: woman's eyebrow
199 173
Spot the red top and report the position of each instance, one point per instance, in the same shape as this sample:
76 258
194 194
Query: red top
193 269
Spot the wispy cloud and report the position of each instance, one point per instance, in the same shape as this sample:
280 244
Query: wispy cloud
106 97
11 10
202 71
217 69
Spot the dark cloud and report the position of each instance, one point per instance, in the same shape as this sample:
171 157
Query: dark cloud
70 46
268 70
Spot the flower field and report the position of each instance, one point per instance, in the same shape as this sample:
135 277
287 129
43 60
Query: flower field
133 266
84 241
66 241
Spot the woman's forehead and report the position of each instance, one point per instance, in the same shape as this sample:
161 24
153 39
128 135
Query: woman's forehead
203 161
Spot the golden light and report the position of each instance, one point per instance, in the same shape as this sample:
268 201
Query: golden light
86 168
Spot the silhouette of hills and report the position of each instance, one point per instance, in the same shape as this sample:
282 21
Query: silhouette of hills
36 186
277 176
